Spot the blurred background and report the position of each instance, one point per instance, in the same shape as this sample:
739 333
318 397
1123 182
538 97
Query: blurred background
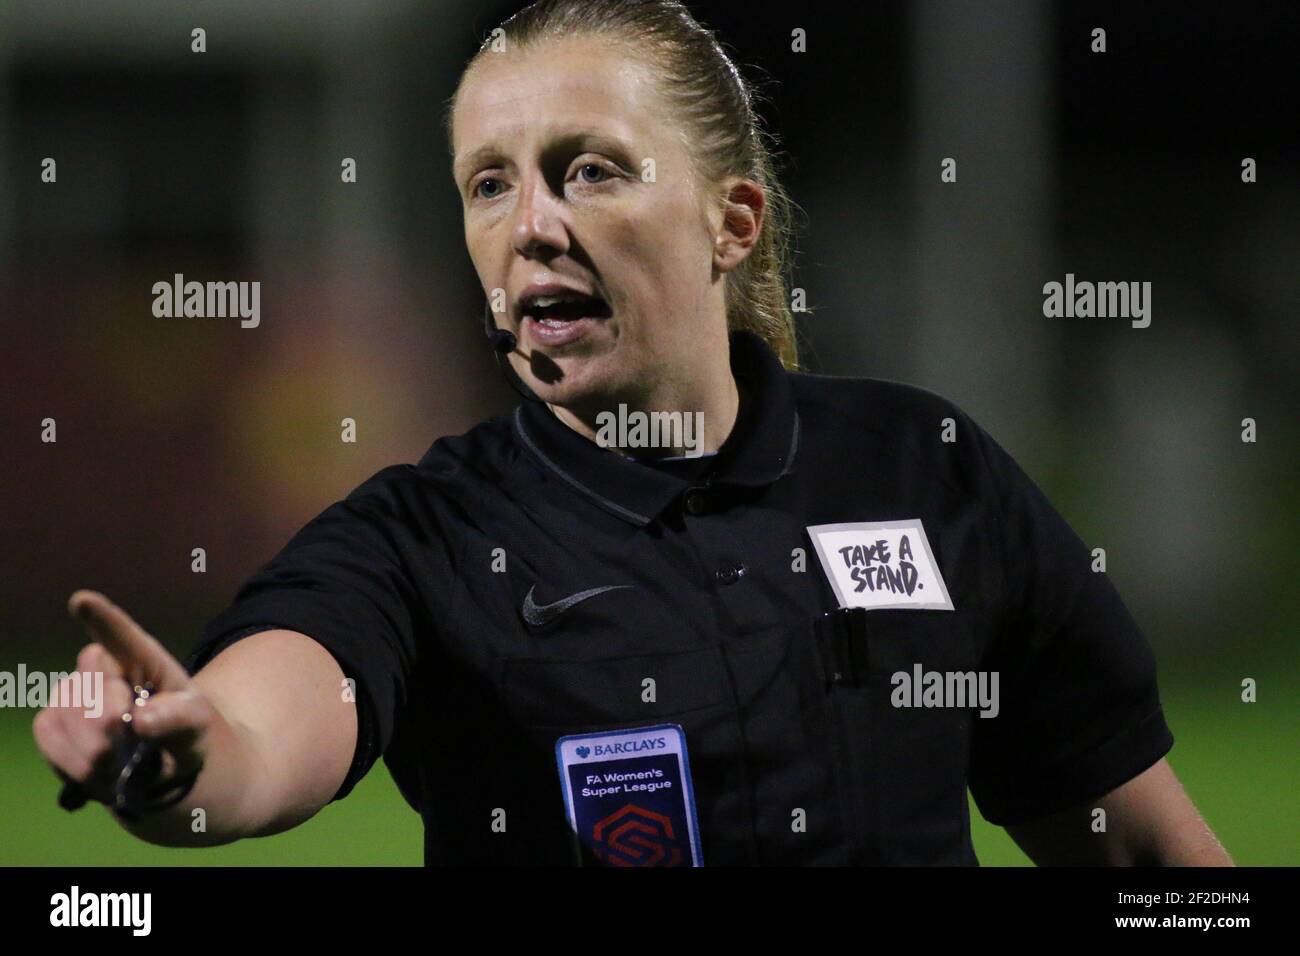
182 433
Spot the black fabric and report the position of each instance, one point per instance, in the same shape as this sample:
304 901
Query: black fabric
415 582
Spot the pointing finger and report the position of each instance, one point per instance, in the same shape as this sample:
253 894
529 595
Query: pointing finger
141 657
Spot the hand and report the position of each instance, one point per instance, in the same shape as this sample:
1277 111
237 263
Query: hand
171 710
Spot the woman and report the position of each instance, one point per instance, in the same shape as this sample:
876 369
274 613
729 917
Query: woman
793 634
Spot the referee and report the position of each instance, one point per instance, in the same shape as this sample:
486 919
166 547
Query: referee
685 604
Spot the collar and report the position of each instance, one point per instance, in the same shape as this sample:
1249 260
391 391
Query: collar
760 449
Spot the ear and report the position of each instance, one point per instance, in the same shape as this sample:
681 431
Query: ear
743 203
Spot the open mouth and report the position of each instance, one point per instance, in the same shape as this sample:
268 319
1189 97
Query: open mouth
555 311
561 319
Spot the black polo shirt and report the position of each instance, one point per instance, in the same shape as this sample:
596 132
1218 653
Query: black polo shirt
415 583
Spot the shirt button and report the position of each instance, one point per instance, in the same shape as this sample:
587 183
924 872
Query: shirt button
696 501
731 575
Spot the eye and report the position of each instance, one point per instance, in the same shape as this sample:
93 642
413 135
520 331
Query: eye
478 188
598 170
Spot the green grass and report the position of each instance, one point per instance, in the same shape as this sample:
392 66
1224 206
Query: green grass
1237 760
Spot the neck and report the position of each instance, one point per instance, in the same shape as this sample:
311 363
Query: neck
707 415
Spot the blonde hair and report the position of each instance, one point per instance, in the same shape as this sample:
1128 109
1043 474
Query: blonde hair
723 133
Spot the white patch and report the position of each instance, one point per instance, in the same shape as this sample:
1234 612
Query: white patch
881 564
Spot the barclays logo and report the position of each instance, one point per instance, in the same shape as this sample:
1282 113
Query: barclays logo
620 747
632 746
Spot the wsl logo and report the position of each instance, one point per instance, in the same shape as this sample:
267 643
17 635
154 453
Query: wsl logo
637 836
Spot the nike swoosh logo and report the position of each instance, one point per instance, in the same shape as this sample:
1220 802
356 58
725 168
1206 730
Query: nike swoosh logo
539 615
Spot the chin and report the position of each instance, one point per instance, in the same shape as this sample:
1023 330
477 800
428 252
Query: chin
584 381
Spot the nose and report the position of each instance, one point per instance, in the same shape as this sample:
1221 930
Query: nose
539 228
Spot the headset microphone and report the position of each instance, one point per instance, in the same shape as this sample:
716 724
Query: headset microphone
503 342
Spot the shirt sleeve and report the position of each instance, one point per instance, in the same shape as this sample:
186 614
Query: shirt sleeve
343 581
1080 712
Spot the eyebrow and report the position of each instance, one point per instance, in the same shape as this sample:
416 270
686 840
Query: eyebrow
593 139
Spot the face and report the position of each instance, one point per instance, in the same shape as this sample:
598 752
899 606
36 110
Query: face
551 145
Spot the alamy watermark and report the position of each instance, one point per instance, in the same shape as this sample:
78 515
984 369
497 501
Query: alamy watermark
75 908
208 300
922 688
637 429
1102 300
84 689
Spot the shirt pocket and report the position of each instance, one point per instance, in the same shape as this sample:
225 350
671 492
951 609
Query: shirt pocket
549 698
905 766
788 750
